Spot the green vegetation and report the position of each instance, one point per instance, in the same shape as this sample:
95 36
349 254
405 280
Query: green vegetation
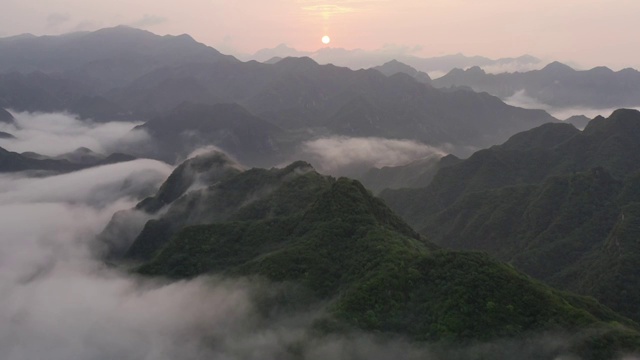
377 274
555 203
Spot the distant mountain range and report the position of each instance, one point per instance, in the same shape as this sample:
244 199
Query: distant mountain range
340 244
556 85
557 203
150 77
364 59
81 158
102 59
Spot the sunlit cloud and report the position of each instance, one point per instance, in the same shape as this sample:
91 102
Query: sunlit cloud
330 8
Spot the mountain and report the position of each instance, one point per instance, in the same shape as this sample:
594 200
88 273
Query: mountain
342 245
281 51
230 127
416 174
105 58
193 174
307 99
13 162
556 85
554 202
393 67
528 158
88 157
364 59
72 72
40 92
579 121
4 135
136 75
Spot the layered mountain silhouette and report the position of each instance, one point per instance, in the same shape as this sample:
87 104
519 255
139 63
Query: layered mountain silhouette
556 85
105 58
229 127
555 202
80 159
297 93
364 59
136 75
394 66
41 92
342 245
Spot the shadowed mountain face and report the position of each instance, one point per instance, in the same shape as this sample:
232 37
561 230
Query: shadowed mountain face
417 174
80 159
339 243
393 67
556 85
228 126
72 72
105 58
295 94
555 202
298 94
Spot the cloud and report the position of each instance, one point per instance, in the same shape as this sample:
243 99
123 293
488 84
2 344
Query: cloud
92 186
327 9
59 133
511 67
87 26
56 19
523 100
340 154
59 302
149 21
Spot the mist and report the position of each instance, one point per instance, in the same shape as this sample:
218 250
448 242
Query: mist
59 302
523 100
341 155
54 134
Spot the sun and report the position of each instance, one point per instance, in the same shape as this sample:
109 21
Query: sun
326 39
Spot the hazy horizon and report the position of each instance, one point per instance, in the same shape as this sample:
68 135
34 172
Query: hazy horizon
583 33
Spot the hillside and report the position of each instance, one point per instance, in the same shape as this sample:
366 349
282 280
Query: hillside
549 209
300 95
371 271
416 174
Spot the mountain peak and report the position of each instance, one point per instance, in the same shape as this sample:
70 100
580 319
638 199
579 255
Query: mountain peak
557 66
298 166
297 63
622 122
626 114
476 70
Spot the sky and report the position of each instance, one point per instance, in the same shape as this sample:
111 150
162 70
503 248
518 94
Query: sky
583 32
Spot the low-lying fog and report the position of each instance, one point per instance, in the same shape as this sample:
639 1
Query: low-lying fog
59 302
523 100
